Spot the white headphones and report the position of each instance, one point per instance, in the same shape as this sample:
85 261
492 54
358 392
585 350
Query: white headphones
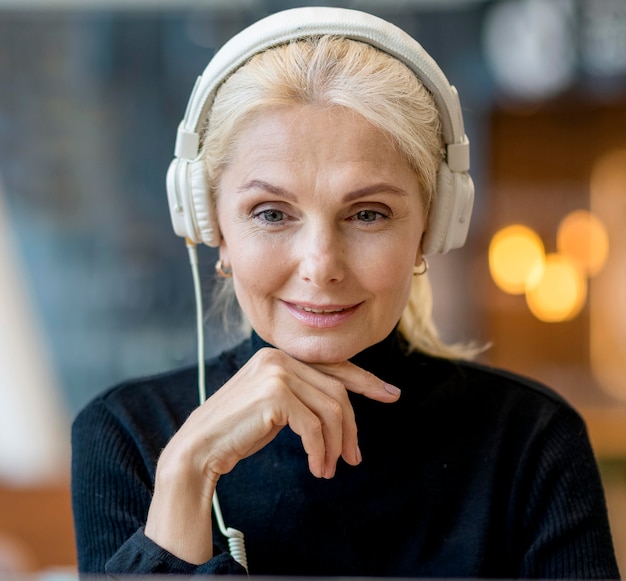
193 216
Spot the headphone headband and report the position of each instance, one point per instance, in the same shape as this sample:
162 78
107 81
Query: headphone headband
293 24
296 23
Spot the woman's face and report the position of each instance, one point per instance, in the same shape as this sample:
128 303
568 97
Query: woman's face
321 221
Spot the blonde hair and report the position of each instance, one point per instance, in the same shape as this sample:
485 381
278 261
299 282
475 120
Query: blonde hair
330 71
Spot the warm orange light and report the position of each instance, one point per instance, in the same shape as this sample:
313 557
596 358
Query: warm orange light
583 237
607 307
559 292
608 177
514 252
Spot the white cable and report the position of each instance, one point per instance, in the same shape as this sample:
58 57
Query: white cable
236 543
193 261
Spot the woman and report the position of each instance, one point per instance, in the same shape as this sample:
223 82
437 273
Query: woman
343 437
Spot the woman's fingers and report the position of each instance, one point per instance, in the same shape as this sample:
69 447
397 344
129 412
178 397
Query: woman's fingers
350 377
273 390
335 423
315 406
338 429
358 380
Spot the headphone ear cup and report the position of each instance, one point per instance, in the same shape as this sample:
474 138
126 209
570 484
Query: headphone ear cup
202 204
180 213
450 212
190 207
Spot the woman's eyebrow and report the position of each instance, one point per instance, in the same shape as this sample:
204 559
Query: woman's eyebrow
266 187
377 188
349 197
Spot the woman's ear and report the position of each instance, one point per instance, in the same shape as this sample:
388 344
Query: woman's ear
224 255
222 266
419 256
421 262
223 252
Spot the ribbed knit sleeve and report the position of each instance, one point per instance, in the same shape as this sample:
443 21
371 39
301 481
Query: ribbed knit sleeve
105 478
140 556
566 527
111 493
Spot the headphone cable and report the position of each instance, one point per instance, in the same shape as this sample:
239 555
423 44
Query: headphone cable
236 544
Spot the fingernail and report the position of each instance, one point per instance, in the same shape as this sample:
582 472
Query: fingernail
392 389
359 456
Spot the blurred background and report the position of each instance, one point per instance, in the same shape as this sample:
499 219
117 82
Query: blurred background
95 287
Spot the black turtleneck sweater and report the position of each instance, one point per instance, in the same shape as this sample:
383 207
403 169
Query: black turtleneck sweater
473 472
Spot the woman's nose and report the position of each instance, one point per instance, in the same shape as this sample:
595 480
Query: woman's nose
322 258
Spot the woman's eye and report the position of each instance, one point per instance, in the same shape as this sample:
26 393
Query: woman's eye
271 215
368 216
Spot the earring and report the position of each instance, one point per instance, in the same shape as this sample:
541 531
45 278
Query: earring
219 269
422 268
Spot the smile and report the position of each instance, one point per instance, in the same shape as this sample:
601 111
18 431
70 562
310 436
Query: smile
322 316
321 311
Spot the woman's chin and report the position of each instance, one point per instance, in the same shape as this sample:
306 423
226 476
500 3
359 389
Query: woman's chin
321 350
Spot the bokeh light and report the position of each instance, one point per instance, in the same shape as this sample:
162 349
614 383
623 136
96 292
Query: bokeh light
607 305
530 47
515 252
558 292
583 237
608 178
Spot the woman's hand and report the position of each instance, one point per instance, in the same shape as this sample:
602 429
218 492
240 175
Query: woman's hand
271 391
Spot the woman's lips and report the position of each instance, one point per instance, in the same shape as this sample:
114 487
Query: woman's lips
321 311
321 316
